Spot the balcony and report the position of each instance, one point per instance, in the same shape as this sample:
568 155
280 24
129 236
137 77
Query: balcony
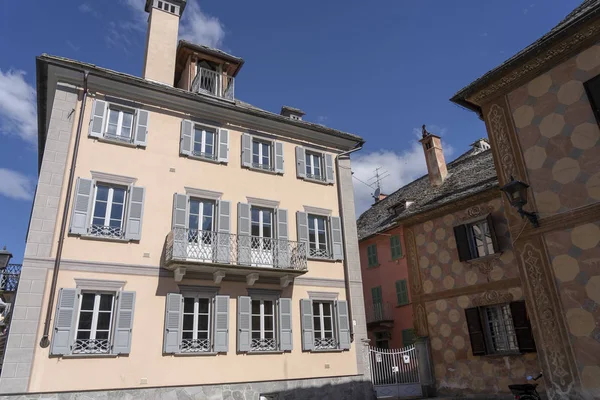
379 313
222 254
214 83
9 278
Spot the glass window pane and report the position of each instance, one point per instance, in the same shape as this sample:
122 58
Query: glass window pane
327 309
203 322
255 335
187 335
210 138
106 301
255 322
117 211
311 237
87 301
113 116
188 305
321 224
268 307
111 129
188 322
267 231
255 230
327 323
328 334
316 309
103 320
194 207
100 209
85 320
102 192
208 208
208 149
322 239
317 323
255 214
115 223
255 307
83 335
126 132
207 224
202 335
268 335
193 222
255 147
269 323
98 221
118 195
203 305
267 217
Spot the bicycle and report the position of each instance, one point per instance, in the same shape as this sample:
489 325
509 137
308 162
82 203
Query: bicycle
526 391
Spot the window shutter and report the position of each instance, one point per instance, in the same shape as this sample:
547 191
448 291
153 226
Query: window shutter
185 145
173 319
329 168
462 242
244 239
243 323
64 321
376 295
180 205
300 162
396 247
343 324
223 228
402 292
246 150
408 337
490 222
279 157
135 211
223 145
285 324
336 238
283 251
302 227
141 127
221 324
522 327
124 323
97 121
475 331
80 216
308 334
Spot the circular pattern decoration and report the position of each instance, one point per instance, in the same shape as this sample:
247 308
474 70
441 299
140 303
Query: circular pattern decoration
585 236
590 377
423 262
432 247
463 301
440 371
449 220
488 369
458 342
462 369
471 277
496 273
445 330
436 272
441 305
428 286
581 323
592 288
565 267
448 282
457 267
428 226
444 257
449 356
436 343
432 319
420 239
517 294
453 315
451 243
440 233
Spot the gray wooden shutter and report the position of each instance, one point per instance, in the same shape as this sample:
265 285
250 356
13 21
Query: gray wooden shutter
476 335
180 221
185 146
343 324
243 323
80 215
64 321
285 324
142 121
221 324
246 150
135 212
462 242
302 228
308 334
336 238
223 145
124 323
173 311
244 239
300 162
329 176
283 244
223 228
97 121
279 157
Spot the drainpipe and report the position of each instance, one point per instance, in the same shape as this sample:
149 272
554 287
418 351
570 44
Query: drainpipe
341 206
45 342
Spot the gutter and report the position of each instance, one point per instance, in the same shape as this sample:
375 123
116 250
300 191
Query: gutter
45 342
341 207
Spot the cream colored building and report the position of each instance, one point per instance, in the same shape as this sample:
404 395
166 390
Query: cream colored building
183 240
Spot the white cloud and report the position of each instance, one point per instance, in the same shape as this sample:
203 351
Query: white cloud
17 106
15 185
86 8
402 167
198 27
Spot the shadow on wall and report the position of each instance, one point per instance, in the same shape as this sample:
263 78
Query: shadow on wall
362 390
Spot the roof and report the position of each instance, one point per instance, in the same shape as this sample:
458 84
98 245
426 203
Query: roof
471 173
293 110
587 10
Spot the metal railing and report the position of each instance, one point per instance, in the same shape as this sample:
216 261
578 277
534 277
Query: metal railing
184 244
195 345
394 366
91 346
106 231
325 343
377 312
319 177
319 253
213 83
263 345
9 277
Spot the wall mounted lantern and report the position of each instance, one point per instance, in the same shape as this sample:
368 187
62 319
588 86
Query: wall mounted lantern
516 192
5 257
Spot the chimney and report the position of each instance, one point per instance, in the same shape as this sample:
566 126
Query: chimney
434 156
292 113
161 40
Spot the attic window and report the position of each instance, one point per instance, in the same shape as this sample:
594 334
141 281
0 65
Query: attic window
428 145
294 117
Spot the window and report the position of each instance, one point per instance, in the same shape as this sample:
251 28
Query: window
476 239
402 292
264 321
317 236
262 325
201 232
108 211
428 145
94 323
195 334
500 329
262 154
119 123
395 247
314 166
261 231
382 339
204 142
592 89
323 325
408 337
372 255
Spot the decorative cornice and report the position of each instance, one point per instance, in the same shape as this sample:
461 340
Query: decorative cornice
203 193
498 128
566 220
99 284
323 295
485 264
492 297
475 213
317 210
112 178
470 290
413 262
255 201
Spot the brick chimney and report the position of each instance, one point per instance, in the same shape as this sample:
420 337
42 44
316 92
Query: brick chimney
161 41
434 156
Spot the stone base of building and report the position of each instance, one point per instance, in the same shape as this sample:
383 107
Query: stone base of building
336 388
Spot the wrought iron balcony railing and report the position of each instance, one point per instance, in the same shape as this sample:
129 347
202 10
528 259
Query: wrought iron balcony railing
325 343
226 248
213 83
114 232
378 312
91 346
195 345
9 277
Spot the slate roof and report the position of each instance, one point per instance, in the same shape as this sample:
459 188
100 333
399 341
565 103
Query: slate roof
472 172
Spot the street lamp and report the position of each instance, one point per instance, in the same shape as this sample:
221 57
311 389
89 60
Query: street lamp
516 192
5 257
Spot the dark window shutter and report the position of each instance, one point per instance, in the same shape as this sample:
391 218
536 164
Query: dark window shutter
592 89
522 327
475 331
402 292
490 222
408 337
462 242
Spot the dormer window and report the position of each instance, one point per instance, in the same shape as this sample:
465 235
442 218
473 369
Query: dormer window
166 6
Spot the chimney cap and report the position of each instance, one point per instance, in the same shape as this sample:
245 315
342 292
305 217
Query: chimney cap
180 3
292 112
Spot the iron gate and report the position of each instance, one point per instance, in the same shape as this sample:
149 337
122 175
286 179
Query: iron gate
395 372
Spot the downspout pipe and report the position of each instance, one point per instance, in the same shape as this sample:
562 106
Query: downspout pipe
341 206
45 341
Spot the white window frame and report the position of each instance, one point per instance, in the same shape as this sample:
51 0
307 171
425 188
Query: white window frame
196 313
501 326
261 328
322 342
312 158
118 134
201 215
266 242
313 224
271 156
203 130
94 327
106 230
485 236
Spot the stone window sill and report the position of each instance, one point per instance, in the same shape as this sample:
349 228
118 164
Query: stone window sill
210 160
264 352
318 181
74 356
104 239
266 171
200 353
489 257
327 259
328 351
118 142
403 305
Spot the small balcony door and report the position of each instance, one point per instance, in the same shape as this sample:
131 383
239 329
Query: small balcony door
377 303
261 254
201 233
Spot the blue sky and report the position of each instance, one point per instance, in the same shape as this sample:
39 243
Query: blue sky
379 69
